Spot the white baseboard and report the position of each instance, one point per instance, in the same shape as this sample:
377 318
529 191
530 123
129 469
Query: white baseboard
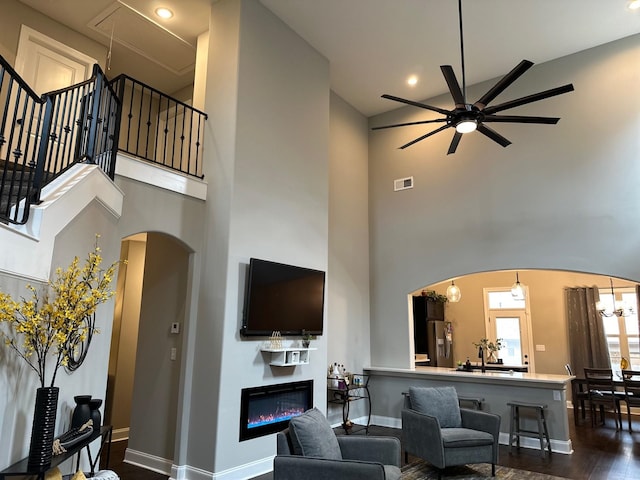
557 446
241 472
150 462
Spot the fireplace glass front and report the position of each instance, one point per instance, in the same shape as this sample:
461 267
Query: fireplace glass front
268 409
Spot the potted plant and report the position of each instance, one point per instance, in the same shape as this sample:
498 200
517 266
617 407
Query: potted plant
53 328
306 339
491 348
434 304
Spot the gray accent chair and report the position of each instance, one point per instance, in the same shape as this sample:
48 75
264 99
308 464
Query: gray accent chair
309 449
436 429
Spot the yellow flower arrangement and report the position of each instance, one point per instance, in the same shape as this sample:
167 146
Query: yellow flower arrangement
61 322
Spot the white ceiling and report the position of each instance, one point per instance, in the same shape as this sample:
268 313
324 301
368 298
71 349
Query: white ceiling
372 45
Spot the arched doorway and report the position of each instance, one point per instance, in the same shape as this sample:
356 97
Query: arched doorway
146 347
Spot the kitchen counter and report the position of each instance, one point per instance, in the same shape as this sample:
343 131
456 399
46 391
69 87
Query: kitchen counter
495 388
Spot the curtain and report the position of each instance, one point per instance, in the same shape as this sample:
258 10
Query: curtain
587 341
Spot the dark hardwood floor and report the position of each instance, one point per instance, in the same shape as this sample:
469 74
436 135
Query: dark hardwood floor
599 453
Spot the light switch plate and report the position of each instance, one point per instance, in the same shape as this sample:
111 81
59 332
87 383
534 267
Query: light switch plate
175 327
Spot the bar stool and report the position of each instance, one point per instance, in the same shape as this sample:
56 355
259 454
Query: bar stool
515 432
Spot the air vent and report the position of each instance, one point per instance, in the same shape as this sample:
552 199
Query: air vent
402 184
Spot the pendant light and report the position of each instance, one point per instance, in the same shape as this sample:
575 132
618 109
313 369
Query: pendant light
517 292
453 293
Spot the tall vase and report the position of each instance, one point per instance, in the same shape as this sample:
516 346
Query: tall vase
43 429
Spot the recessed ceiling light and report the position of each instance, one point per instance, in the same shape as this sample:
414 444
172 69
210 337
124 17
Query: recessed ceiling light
633 5
164 12
412 80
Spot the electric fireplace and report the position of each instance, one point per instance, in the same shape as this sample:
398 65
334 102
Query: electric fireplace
268 409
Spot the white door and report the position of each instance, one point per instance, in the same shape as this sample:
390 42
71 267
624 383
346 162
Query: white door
508 318
512 328
47 65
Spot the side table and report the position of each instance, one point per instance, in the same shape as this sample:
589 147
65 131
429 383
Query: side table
21 467
342 394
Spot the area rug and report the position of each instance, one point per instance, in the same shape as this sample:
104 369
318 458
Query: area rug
423 471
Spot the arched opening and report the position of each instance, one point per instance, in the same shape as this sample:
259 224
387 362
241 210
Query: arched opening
546 341
146 356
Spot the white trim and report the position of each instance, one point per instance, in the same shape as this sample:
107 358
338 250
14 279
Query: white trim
159 176
557 446
150 462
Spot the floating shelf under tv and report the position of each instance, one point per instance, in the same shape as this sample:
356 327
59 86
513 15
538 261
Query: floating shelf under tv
288 357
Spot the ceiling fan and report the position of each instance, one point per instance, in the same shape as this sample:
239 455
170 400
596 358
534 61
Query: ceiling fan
467 117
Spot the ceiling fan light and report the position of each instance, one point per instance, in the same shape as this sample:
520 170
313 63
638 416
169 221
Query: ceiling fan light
466 126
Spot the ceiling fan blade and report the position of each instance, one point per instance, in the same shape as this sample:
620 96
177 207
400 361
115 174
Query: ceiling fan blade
425 136
529 99
437 120
416 104
521 119
454 143
454 86
493 135
502 84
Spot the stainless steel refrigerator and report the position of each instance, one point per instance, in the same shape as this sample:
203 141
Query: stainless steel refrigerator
440 343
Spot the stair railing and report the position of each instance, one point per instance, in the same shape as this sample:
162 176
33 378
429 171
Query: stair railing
159 128
41 138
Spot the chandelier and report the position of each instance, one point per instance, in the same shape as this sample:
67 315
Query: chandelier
619 309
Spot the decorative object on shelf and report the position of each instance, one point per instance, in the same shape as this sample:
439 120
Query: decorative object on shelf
517 291
275 340
433 296
306 339
453 293
82 411
57 322
43 427
96 416
619 309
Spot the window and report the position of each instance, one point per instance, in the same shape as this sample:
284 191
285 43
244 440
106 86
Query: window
622 332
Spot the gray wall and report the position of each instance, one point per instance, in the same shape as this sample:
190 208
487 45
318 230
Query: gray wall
348 293
559 197
268 198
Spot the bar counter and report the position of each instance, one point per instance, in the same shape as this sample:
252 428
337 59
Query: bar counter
496 389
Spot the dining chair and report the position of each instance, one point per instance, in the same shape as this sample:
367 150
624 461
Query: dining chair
579 396
631 380
602 394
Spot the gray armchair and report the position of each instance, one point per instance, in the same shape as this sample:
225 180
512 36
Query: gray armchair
436 429
310 449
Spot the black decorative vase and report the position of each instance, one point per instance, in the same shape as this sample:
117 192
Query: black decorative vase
82 412
44 424
94 405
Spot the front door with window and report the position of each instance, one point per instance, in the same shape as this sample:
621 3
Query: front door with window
508 319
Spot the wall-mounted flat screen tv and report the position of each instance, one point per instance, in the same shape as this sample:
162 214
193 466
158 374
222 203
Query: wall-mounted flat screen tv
283 298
